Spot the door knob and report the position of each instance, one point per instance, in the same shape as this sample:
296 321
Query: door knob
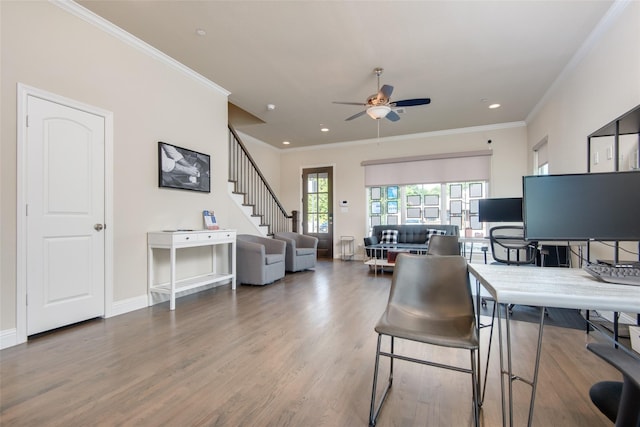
98 227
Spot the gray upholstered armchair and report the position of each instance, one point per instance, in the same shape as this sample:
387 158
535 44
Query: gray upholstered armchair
301 250
259 260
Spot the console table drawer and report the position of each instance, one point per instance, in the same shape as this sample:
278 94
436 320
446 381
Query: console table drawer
184 238
218 235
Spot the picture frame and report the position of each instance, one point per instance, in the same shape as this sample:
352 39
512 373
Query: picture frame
431 212
392 207
475 189
474 206
392 219
414 213
413 200
431 200
375 193
183 169
392 192
376 208
455 191
455 207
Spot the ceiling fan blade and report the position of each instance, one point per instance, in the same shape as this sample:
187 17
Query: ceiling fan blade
411 102
355 116
393 116
386 90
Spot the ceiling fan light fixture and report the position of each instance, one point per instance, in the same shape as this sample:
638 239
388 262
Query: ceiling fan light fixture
378 112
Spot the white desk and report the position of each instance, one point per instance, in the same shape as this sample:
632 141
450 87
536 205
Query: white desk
546 287
174 240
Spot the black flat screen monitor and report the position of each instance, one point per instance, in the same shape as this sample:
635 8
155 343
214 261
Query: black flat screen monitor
500 210
594 206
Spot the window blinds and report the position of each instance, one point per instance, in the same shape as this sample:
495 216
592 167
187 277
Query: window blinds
429 169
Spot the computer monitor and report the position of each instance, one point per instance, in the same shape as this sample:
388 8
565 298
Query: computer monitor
590 206
500 210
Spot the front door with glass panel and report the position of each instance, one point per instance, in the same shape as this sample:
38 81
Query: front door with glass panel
318 208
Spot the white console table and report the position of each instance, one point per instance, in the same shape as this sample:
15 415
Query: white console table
173 240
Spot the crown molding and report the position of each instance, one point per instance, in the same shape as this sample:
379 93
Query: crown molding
413 136
120 34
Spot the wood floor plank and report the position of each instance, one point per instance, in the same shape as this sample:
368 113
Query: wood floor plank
298 352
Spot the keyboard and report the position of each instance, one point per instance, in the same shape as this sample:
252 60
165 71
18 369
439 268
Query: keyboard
620 275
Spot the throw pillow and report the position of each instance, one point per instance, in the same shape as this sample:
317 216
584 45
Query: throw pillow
389 237
432 231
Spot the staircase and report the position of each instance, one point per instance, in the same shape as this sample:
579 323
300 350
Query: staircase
255 196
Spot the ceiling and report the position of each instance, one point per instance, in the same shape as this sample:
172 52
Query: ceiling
301 56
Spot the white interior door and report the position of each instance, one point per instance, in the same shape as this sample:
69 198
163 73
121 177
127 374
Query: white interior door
64 215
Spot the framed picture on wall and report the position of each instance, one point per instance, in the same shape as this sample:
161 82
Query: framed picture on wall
376 208
375 220
392 219
392 207
183 169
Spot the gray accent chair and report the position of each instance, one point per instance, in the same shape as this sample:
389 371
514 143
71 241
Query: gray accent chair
301 250
259 260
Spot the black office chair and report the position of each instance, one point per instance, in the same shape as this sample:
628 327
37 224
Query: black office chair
619 401
508 245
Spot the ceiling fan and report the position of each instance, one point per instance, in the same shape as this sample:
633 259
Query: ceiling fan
379 105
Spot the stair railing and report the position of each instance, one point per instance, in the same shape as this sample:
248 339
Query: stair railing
252 185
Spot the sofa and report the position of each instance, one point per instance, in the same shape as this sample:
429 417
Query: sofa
259 260
301 250
409 237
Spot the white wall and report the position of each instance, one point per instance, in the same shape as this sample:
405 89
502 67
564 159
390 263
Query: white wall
603 85
48 48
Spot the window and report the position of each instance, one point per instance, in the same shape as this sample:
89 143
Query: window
541 158
442 203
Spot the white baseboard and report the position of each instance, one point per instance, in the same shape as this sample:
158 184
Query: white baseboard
8 338
128 305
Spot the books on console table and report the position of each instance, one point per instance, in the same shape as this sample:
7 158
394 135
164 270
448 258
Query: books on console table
210 222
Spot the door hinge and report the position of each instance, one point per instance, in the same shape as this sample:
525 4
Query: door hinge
26 210
27 121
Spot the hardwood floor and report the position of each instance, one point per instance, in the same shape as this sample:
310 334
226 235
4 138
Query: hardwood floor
299 352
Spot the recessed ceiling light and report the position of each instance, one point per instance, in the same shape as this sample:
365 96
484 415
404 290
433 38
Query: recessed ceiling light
271 107
285 143
324 129
201 32
494 106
